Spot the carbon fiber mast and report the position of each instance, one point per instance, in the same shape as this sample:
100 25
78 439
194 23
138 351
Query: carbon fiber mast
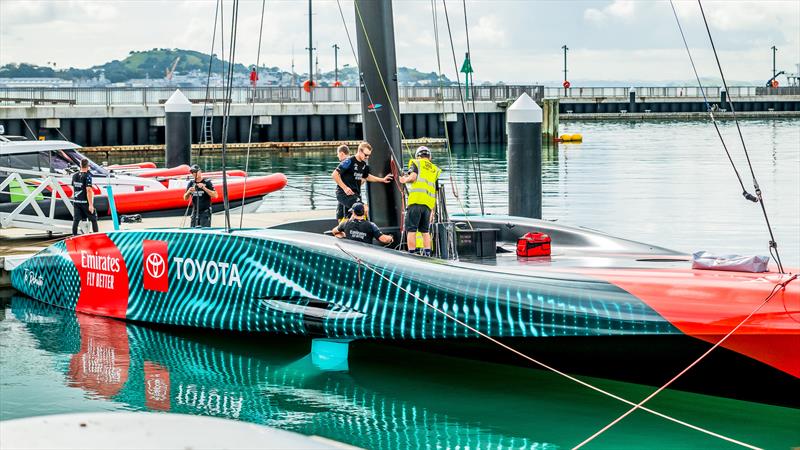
378 64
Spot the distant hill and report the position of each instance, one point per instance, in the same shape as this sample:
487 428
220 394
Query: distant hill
155 63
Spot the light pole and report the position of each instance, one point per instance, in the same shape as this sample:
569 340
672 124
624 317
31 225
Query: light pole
335 64
310 52
566 82
774 49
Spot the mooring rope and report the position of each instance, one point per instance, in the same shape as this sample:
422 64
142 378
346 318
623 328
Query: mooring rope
775 289
360 262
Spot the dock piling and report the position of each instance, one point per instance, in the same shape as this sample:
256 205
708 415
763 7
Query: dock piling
632 100
550 119
524 123
178 133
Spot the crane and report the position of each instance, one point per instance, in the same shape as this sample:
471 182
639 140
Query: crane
171 70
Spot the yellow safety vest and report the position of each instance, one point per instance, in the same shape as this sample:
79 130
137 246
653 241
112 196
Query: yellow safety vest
423 191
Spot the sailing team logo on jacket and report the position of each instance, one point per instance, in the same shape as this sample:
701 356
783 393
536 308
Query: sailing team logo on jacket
154 260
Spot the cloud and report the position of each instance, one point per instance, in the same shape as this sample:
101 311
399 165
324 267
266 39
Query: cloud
618 9
488 32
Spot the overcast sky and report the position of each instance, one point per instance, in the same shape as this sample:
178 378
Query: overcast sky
510 40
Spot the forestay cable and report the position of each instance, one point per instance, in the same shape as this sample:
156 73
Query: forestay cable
463 109
252 114
773 245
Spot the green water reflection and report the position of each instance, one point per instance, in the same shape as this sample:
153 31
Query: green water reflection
54 361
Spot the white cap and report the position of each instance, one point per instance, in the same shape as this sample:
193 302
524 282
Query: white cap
524 110
178 103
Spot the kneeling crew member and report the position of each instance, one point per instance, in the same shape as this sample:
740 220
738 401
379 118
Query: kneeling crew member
423 176
358 228
201 190
83 198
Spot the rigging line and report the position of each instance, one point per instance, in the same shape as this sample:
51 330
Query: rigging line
746 194
226 116
252 112
772 243
380 274
210 63
33 136
444 114
400 187
474 114
775 289
383 83
222 73
463 106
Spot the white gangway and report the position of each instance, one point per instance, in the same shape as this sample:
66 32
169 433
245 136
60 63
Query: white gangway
18 218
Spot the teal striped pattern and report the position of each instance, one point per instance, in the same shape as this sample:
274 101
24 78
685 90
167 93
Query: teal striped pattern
50 276
293 285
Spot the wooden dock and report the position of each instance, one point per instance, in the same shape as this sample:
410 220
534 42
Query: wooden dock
255 147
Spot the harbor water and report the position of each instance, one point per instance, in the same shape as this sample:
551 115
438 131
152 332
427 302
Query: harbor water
666 183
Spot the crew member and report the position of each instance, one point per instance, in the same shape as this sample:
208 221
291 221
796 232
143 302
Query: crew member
358 228
201 190
349 174
423 176
83 198
342 153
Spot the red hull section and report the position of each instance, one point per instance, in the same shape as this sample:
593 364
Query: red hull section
708 304
168 172
136 202
141 165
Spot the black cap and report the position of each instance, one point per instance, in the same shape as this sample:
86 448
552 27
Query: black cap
358 209
194 168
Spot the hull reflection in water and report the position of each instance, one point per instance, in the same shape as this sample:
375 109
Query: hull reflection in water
424 401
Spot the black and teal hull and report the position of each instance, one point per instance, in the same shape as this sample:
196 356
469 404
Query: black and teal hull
297 283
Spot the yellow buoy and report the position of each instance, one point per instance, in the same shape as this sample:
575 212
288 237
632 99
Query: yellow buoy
566 137
576 137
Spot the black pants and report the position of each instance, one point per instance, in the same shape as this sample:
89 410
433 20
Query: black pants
201 219
345 203
82 212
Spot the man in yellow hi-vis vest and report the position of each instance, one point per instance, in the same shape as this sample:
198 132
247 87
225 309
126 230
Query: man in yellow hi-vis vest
423 176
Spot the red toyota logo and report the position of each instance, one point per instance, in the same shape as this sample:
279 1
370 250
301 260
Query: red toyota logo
154 261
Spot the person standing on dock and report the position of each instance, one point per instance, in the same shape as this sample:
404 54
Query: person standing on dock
424 178
349 175
201 190
83 198
358 228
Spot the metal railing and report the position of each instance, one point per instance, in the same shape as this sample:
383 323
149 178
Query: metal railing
155 96
651 91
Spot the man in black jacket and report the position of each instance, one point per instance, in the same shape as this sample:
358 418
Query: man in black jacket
83 198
